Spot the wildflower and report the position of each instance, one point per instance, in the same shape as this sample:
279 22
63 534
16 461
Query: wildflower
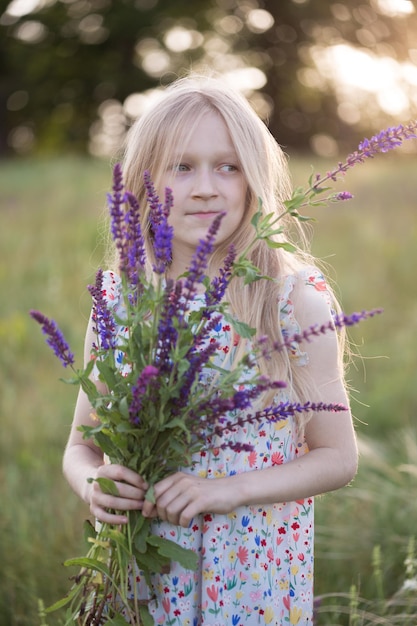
163 246
115 202
167 332
55 338
219 284
157 211
342 195
200 258
135 242
101 315
384 141
148 373
339 321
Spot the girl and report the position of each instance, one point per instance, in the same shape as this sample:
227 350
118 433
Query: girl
248 515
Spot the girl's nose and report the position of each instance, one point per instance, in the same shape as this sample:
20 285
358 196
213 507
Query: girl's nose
204 185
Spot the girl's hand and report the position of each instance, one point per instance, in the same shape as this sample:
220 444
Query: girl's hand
131 488
181 496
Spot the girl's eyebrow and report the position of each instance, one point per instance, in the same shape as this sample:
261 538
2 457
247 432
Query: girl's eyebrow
219 156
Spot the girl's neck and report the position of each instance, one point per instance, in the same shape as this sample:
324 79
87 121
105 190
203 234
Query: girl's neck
181 264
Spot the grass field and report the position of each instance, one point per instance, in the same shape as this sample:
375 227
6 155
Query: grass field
51 233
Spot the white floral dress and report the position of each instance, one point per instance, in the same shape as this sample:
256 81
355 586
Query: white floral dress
256 564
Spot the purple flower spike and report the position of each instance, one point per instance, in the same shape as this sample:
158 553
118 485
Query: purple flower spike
55 338
338 321
199 261
102 317
115 202
158 211
354 318
135 243
167 333
384 141
148 373
163 246
219 284
204 249
342 195
388 139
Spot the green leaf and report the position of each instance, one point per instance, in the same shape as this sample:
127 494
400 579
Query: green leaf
124 407
145 617
89 388
89 530
92 564
186 558
106 445
151 560
141 535
242 329
63 601
107 485
280 244
107 374
255 219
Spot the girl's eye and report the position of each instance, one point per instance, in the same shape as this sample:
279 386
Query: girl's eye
228 167
180 167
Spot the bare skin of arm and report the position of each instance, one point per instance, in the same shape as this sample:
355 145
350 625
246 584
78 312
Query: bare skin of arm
330 463
83 460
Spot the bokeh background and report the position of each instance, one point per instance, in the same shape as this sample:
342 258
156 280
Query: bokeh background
323 75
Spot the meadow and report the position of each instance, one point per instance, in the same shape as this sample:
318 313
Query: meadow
52 228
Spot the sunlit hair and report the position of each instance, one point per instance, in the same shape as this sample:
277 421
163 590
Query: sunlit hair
151 144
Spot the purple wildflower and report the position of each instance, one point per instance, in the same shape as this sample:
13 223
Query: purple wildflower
219 284
342 195
199 261
148 373
163 246
167 333
102 316
158 211
354 318
115 202
135 242
236 446
338 321
215 408
197 360
55 338
384 141
275 413
201 256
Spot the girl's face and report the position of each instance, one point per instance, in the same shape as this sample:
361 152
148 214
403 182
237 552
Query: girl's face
206 179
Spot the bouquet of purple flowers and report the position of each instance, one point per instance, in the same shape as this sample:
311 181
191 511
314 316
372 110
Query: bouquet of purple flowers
155 413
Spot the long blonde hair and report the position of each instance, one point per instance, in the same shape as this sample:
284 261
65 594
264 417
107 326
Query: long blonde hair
150 144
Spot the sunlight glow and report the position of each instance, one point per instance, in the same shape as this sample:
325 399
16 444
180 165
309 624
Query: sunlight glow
355 71
19 8
395 8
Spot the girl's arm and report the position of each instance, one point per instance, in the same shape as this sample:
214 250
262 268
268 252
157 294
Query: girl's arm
330 463
84 460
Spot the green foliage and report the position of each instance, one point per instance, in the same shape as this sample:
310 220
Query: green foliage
84 54
47 235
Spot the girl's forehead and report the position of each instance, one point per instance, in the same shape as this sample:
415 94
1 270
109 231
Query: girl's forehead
208 131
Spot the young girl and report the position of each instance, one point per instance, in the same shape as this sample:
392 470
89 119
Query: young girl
249 515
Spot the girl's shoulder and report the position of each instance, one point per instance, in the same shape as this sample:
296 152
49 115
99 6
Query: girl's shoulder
307 284
305 299
111 288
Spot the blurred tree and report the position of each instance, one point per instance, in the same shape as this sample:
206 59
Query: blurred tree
70 69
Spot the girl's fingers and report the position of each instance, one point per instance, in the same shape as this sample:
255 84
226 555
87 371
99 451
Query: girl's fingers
131 490
118 473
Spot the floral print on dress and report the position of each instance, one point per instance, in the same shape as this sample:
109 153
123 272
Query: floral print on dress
256 563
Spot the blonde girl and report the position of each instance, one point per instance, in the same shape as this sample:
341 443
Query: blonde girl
248 515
